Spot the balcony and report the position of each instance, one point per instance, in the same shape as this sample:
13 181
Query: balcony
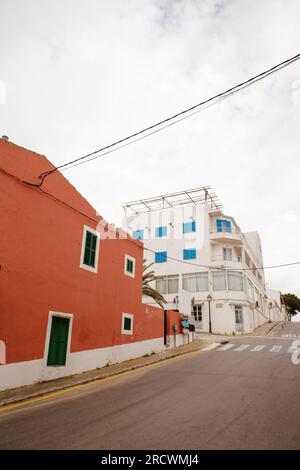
234 260
223 236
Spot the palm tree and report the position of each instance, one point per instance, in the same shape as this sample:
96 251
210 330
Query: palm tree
148 277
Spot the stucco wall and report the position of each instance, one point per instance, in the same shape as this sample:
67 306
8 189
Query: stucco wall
40 267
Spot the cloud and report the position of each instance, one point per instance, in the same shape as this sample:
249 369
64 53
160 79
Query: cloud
79 75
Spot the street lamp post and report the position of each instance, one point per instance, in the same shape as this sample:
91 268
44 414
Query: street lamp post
209 299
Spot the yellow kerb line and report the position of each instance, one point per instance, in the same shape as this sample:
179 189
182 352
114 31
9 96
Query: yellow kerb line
92 382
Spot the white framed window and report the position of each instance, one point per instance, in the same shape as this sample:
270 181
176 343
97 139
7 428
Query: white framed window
129 266
90 249
239 318
167 284
197 313
227 254
235 281
127 324
219 280
196 282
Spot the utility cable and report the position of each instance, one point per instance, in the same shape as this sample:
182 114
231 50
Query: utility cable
217 97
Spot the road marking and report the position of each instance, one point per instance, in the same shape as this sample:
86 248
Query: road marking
227 346
29 401
275 349
242 347
290 335
292 349
210 346
259 347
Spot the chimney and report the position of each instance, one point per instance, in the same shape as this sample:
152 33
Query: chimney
4 137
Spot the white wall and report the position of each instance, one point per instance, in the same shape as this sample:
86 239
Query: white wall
26 373
209 255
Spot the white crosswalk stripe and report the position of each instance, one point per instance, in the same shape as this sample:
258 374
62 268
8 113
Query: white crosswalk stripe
257 348
210 346
275 348
227 346
242 347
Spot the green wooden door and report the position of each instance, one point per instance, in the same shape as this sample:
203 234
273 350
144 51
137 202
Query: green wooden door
58 341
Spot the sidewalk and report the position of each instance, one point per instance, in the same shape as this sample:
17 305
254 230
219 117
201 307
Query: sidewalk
42 388
267 328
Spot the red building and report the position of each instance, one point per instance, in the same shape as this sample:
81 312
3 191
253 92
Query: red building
70 285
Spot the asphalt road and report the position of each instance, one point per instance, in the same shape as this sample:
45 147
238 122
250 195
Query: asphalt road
221 398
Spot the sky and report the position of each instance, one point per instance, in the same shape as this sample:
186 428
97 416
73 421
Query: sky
76 76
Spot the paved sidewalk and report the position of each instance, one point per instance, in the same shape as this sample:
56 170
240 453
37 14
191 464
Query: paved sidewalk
267 328
41 388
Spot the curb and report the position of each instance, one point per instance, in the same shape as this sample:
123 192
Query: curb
10 401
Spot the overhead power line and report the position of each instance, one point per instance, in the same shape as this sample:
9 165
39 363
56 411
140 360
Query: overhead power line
223 268
146 132
132 241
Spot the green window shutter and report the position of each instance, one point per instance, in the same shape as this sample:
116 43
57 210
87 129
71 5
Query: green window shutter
127 324
129 267
58 341
90 249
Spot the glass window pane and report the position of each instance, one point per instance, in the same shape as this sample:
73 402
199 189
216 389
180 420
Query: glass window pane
172 285
189 283
161 285
202 282
235 281
219 280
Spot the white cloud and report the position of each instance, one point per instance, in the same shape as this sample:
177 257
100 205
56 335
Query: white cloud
82 74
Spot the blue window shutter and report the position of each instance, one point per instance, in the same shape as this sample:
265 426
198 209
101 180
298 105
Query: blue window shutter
219 225
138 234
161 231
189 253
161 257
228 226
188 227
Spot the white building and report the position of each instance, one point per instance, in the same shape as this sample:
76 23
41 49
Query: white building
218 277
277 311
296 317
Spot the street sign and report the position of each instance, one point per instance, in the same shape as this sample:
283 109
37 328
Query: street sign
185 331
175 327
185 324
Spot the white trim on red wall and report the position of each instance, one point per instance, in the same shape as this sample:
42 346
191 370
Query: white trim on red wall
131 258
82 265
130 316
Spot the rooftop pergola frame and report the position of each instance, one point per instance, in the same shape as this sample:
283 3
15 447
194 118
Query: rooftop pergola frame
200 195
